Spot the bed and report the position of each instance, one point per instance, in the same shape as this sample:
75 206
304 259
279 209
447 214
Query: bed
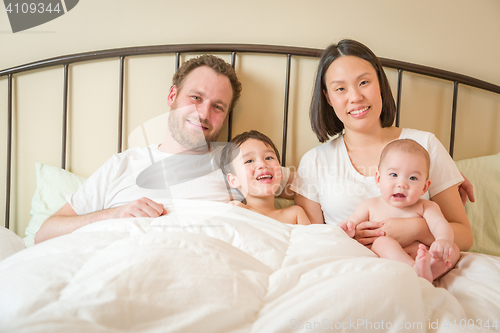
221 268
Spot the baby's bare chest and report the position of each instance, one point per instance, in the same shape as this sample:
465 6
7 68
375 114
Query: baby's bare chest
384 212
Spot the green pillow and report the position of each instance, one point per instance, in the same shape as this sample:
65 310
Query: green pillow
52 184
484 214
280 203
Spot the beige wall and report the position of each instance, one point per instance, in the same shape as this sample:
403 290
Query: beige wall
456 35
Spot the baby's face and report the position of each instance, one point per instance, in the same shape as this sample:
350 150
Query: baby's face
402 178
257 171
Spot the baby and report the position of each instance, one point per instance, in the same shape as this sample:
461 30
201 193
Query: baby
251 164
402 177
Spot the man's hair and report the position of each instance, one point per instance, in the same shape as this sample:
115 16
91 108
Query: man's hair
218 65
406 146
231 150
324 121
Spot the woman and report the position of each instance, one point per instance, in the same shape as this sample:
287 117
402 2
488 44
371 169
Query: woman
352 99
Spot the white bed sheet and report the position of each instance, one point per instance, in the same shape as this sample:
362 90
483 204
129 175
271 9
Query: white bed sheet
210 267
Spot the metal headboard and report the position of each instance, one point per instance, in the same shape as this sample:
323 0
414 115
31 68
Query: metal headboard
233 49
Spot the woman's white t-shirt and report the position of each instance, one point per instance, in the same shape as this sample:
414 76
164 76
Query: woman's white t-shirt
327 176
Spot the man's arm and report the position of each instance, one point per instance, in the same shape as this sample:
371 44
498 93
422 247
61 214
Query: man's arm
65 220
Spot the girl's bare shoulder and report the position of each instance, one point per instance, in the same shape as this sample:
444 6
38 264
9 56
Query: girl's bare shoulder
237 203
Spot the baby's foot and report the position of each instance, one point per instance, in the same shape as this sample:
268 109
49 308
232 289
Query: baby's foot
423 263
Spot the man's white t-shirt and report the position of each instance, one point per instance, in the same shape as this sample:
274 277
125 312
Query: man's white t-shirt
161 177
327 176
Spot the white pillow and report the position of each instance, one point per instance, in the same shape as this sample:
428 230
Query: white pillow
10 243
484 214
52 184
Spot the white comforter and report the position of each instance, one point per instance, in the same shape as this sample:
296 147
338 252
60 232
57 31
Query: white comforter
220 268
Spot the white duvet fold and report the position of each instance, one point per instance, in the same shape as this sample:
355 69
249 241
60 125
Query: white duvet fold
209 267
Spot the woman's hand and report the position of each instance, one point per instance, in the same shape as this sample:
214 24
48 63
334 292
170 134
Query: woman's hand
466 191
404 230
408 230
367 232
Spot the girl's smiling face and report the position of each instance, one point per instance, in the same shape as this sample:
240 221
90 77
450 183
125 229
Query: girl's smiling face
257 171
353 90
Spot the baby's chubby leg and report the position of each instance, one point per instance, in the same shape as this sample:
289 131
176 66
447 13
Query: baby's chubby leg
388 248
412 249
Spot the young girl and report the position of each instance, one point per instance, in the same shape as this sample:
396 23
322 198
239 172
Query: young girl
352 99
403 177
251 164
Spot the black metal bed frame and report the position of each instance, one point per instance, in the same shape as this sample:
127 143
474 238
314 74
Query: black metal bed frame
233 49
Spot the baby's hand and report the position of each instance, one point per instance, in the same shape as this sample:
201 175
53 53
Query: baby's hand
442 249
349 227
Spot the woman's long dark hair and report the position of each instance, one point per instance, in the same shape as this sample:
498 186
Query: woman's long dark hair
324 121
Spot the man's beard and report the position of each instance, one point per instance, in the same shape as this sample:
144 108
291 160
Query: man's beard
186 137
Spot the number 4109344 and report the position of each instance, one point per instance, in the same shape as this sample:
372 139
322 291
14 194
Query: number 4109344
32 8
